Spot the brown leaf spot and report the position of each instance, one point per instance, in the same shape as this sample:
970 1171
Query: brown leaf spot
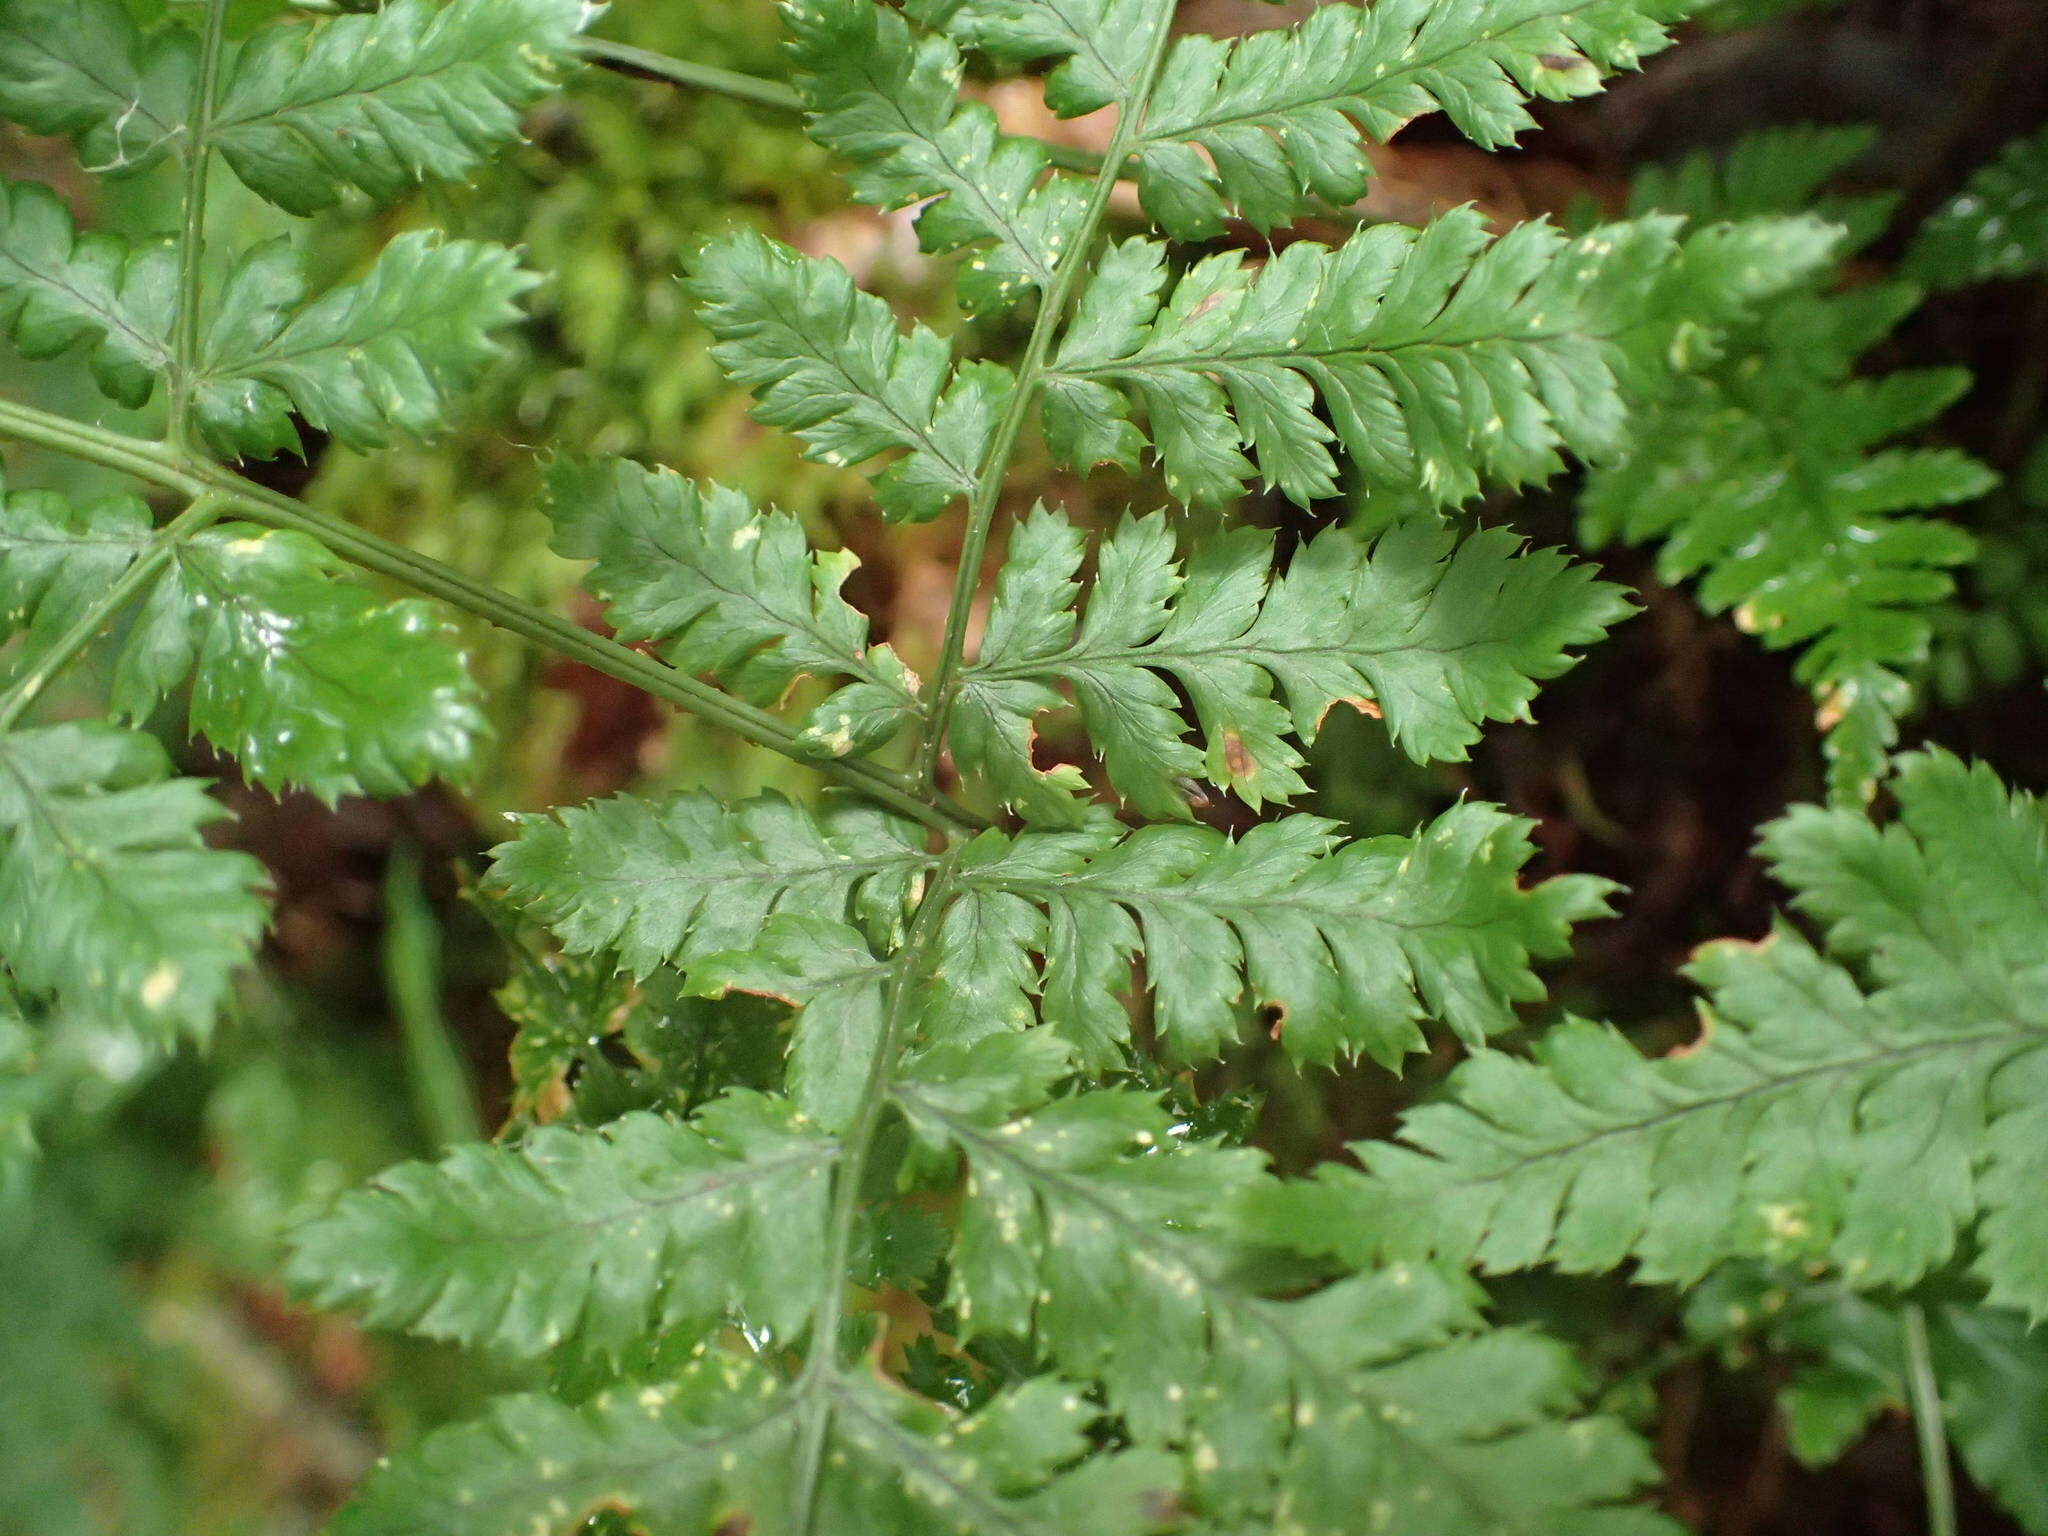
1235 757
1561 61
1163 1506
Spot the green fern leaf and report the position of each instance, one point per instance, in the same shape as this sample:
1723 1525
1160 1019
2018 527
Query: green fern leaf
280 651
682 1454
1433 635
826 361
1776 171
592 1236
1265 121
59 288
712 1447
1350 944
1991 1365
1439 355
687 878
677 1049
83 68
1376 1403
1763 471
57 559
109 897
1996 227
310 681
1101 44
723 590
890 104
1816 1120
366 361
383 100
1766 481
826 971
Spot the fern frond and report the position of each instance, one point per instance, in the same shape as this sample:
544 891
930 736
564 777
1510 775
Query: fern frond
652 1046
1384 1403
827 362
1765 470
57 557
1440 356
683 1454
1850 1368
1766 480
595 1237
282 652
1100 44
278 648
383 100
83 68
712 1447
827 972
109 897
1817 1119
1350 944
686 878
723 590
59 288
1776 171
748 901
1263 122
1433 635
1996 227
365 361
890 103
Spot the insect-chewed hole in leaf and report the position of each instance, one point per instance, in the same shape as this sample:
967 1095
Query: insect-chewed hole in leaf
1273 1016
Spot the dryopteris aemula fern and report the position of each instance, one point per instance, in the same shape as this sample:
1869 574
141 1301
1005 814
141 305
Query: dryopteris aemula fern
1765 476
1996 227
924 1050
1852 1351
1866 1126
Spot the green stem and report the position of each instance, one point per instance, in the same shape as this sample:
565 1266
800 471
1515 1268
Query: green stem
1930 1427
69 646
773 94
192 238
627 59
132 455
411 955
153 463
988 490
855 1147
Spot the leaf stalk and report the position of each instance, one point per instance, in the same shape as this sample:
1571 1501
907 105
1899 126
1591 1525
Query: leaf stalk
855 1147
68 647
647 64
192 235
1930 1427
1031 371
161 466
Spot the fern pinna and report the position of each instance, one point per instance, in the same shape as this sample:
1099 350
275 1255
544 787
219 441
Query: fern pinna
928 1247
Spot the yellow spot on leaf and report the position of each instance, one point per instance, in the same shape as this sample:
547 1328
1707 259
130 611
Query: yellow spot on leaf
160 986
